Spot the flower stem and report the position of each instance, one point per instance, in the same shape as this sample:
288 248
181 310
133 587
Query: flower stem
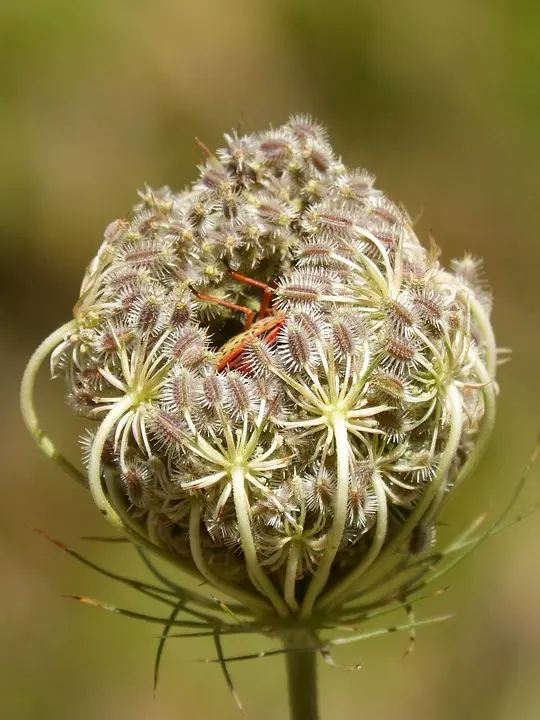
260 580
486 428
28 411
257 605
301 675
94 463
338 594
335 535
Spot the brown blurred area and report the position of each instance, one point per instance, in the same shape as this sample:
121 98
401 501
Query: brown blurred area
442 101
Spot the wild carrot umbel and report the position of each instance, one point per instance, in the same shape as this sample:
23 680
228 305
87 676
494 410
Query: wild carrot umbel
284 389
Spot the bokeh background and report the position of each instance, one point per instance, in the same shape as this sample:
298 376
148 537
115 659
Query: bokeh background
441 100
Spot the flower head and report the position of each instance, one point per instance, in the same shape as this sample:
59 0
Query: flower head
288 385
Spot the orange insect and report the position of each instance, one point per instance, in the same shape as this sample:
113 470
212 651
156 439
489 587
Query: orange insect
266 322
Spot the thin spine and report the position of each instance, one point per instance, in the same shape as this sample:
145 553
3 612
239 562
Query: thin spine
388 630
175 589
225 670
155 619
161 644
498 525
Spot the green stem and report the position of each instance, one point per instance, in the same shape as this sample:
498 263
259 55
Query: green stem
335 534
94 463
258 577
374 551
289 585
482 320
301 675
257 605
338 594
488 423
28 411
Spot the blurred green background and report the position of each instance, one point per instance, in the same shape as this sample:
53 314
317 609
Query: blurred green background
442 101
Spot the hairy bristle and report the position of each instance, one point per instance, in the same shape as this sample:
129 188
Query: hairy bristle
180 390
422 539
258 358
296 347
348 333
152 254
323 219
319 490
393 423
356 186
304 127
188 346
135 478
400 313
211 390
388 384
146 310
400 352
241 395
361 500
311 320
274 213
111 339
305 286
108 454
177 310
429 308
317 252
167 427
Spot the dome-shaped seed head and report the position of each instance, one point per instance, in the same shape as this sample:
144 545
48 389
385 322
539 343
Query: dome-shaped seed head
290 382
